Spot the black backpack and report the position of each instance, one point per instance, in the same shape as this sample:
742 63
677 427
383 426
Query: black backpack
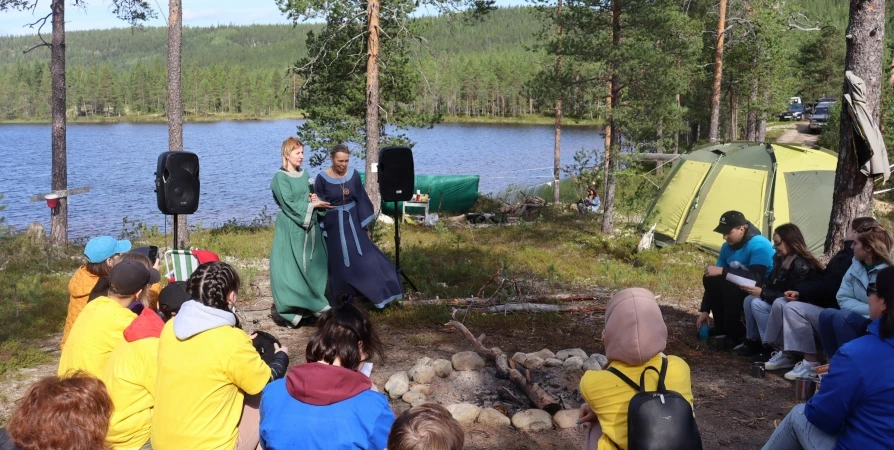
659 420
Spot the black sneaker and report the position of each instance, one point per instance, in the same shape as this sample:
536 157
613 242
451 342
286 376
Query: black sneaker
749 348
725 343
763 355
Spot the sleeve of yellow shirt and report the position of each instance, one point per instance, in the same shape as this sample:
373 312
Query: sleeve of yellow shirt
245 367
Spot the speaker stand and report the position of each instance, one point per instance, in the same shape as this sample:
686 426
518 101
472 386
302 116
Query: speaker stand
176 234
398 218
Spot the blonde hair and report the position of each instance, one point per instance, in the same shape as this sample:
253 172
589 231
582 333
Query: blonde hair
287 146
879 242
426 427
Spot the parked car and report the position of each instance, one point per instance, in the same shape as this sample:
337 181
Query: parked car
795 111
827 100
820 117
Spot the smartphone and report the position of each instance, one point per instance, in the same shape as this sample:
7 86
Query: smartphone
153 254
366 369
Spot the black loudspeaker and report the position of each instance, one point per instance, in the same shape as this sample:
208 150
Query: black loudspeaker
177 182
397 176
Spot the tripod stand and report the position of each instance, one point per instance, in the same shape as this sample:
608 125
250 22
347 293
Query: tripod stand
398 218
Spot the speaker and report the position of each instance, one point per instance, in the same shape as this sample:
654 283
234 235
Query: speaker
177 182
397 177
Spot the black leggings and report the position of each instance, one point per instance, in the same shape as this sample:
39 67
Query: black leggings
725 299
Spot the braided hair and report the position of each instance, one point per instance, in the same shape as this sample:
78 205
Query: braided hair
211 283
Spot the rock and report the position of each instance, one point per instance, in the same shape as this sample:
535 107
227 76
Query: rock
592 363
442 367
464 413
397 385
532 420
552 362
565 354
603 361
542 354
424 361
467 361
535 362
492 417
519 357
423 374
36 232
573 362
414 398
566 418
424 389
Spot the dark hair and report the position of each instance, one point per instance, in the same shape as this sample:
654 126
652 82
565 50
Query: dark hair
878 241
884 284
790 234
339 331
340 148
212 282
100 269
62 413
426 427
861 222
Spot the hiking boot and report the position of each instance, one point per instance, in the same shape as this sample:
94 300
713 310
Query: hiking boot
763 355
724 343
279 320
804 369
749 348
780 360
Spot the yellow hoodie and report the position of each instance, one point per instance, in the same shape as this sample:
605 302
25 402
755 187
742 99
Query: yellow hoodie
98 330
82 282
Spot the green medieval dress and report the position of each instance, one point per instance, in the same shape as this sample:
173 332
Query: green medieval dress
298 259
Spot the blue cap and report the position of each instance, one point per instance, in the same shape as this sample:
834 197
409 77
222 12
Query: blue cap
102 248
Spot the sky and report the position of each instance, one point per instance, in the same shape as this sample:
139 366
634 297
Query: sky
196 13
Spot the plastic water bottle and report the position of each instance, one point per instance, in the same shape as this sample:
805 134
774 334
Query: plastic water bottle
703 332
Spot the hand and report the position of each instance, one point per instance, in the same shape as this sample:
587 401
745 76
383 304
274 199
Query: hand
702 319
280 348
321 205
752 290
586 414
713 271
792 296
157 264
314 198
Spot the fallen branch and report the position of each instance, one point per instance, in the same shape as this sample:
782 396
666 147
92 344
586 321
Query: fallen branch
564 298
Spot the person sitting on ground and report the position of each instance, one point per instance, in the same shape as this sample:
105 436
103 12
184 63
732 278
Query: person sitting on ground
591 203
746 254
428 426
100 326
764 306
872 253
102 286
635 336
209 373
297 412
60 413
130 375
854 407
171 298
101 253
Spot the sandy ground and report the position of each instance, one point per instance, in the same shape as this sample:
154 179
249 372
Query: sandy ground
799 135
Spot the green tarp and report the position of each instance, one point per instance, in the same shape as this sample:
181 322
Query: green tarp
448 193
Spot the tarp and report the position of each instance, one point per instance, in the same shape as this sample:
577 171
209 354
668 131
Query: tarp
872 156
447 193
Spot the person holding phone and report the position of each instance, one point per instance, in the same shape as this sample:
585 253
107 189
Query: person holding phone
298 259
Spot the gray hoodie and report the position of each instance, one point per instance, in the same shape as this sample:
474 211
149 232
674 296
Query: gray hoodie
195 318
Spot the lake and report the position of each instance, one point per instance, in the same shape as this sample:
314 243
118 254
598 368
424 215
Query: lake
238 159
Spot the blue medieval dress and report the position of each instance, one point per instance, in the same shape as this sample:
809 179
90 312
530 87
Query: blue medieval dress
356 265
298 267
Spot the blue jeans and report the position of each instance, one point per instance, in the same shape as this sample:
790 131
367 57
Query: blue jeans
797 433
838 327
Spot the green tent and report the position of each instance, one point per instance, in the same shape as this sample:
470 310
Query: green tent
453 193
770 184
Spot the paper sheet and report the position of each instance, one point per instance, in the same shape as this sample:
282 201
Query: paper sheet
741 281
366 368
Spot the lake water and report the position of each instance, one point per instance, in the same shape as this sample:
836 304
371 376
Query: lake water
238 159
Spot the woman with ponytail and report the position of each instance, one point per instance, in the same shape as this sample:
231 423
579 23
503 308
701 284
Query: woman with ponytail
209 374
853 409
300 410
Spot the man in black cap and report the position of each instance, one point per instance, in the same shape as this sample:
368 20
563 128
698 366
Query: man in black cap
747 254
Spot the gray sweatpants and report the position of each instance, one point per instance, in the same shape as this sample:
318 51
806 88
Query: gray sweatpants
791 326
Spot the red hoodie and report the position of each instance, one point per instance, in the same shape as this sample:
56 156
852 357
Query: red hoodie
320 384
146 325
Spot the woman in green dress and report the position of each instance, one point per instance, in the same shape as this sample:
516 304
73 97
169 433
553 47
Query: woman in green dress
298 259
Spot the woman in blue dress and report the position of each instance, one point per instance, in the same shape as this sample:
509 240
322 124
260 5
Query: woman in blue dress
356 265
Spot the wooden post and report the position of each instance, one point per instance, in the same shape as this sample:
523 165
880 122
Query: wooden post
59 214
608 200
175 104
718 74
372 105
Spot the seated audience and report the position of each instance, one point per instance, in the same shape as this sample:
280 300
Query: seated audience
101 253
130 375
872 253
589 204
209 373
100 326
426 427
854 408
297 412
102 286
60 413
764 315
746 254
635 336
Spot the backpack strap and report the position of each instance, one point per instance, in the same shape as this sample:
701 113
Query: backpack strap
642 378
623 378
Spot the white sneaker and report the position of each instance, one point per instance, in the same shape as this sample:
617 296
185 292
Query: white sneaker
780 360
804 369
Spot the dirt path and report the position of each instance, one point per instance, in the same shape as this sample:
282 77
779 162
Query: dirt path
799 135
734 410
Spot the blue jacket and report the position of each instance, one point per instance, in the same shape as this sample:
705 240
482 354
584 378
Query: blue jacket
852 292
856 399
742 259
318 406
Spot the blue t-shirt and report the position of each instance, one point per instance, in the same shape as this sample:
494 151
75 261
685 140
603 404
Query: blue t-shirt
757 251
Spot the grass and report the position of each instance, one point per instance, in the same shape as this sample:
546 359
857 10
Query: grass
15 355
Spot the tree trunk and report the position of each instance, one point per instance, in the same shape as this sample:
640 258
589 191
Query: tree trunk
372 105
718 74
557 149
59 214
608 202
733 117
852 196
175 100
751 116
677 134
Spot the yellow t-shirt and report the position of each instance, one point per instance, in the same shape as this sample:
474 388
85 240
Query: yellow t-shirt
98 329
129 377
609 396
201 386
